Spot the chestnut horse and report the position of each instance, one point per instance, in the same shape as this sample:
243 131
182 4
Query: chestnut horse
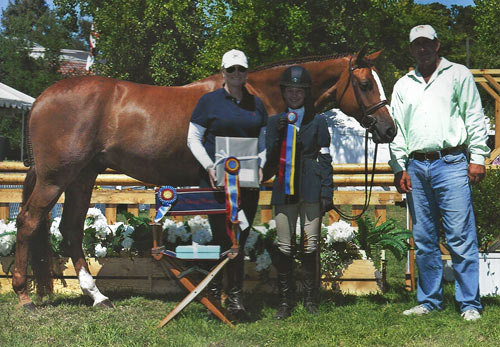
80 126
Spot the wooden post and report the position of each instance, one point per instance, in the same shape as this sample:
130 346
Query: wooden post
134 209
333 217
410 271
4 210
152 212
380 211
356 211
497 123
110 213
266 213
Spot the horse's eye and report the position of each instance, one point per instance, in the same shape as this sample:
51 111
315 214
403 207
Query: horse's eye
365 85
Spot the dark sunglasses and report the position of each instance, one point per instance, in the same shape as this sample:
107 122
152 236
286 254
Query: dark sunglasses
236 67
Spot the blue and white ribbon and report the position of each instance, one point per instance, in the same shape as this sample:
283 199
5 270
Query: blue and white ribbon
167 195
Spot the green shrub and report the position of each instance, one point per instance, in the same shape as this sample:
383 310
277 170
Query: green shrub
486 197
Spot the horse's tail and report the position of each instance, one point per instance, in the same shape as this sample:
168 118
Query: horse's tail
28 146
40 246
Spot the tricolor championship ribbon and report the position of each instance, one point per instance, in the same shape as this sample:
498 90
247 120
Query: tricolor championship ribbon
232 190
166 197
287 156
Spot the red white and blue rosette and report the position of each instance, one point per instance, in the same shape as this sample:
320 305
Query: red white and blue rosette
291 117
167 195
286 171
232 191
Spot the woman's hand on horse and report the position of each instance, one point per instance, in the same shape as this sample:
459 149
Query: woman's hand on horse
402 182
261 175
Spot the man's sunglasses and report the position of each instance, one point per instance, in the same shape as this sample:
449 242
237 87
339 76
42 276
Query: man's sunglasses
236 67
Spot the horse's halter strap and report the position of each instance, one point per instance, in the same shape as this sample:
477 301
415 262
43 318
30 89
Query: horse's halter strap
367 121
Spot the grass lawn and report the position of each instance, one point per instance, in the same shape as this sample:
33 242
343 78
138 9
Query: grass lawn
70 320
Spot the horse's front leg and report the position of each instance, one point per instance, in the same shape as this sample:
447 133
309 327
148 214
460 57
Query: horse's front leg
77 199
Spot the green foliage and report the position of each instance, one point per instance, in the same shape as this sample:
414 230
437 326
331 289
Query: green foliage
24 24
486 15
10 127
265 242
142 235
486 207
176 42
337 255
373 238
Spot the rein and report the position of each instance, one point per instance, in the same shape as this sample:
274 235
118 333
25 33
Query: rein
366 122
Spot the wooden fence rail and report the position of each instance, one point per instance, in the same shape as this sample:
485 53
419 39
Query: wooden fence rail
14 173
344 175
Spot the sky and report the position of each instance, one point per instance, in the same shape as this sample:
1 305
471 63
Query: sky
445 2
4 3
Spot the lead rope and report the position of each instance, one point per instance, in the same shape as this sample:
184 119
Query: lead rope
368 189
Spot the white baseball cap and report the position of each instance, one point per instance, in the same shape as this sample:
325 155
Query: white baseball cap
423 31
234 57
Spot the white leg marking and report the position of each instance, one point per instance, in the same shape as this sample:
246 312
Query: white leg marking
88 287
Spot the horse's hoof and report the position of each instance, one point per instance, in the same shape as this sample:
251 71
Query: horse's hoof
29 307
105 303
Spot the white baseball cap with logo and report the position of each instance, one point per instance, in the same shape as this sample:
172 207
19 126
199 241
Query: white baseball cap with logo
423 31
234 57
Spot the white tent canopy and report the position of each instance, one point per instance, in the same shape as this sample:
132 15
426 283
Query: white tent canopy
12 98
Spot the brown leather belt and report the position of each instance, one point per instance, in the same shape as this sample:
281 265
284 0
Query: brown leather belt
437 154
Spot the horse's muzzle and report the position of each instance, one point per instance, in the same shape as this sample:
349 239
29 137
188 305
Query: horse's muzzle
383 134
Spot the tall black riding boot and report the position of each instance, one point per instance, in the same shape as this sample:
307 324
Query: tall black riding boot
284 267
214 288
235 277
309 282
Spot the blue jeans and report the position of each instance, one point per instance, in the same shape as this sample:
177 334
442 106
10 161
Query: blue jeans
441 194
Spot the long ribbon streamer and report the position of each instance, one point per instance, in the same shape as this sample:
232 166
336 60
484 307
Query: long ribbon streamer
291 138
286 171
232 190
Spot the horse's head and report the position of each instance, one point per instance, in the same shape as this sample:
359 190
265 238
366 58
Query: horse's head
358 94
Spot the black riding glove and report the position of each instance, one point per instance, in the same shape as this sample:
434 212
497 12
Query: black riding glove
326 205
282 124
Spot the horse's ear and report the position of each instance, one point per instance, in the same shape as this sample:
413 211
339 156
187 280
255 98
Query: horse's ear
373 57
361 55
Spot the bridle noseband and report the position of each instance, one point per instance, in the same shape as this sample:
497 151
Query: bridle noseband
367 121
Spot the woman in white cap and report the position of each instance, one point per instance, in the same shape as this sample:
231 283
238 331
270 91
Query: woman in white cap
228 111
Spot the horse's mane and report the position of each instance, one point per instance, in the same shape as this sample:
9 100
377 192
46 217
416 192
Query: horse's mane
300 61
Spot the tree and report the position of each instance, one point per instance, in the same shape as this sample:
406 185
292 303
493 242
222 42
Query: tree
143 41
26 23
487 29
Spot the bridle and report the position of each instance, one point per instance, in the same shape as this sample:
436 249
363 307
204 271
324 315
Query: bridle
368 122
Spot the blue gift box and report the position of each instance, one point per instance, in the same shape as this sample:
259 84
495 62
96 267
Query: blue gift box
198 252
